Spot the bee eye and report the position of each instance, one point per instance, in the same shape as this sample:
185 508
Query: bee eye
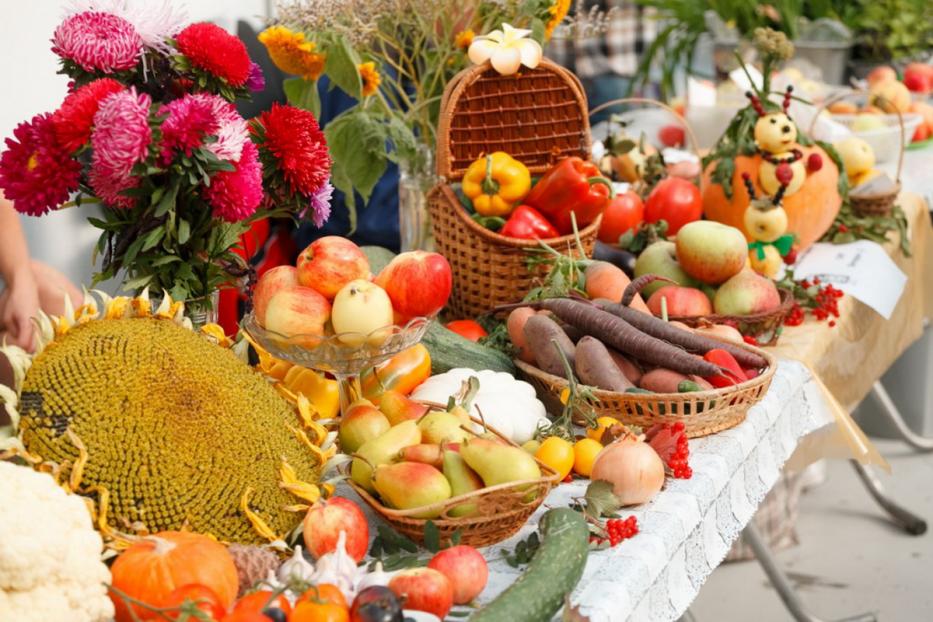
773 120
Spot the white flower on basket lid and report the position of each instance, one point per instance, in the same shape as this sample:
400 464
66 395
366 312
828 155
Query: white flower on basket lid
296 567
507 49
338 568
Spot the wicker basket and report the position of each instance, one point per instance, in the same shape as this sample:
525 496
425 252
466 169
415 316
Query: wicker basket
702 412
503 509
538 116
755 325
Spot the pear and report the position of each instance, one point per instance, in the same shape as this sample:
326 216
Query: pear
362 422
428 453
406 485
382 450
498 463
462 480
398 408
442 427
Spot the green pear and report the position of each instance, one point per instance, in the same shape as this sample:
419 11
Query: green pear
442 427
462 480
362 422
498 463
407 485
382 450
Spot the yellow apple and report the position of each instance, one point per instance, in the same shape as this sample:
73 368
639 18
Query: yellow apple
766 225
361 308
857 155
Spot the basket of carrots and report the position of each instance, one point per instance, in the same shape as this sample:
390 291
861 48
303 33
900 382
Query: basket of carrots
637 367
495 135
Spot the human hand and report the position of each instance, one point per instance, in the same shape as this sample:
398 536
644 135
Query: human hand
19 303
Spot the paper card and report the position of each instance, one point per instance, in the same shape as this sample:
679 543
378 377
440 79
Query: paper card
738 76
862 269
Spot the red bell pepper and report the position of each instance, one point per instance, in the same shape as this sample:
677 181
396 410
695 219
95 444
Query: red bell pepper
732 371
527 223
572 186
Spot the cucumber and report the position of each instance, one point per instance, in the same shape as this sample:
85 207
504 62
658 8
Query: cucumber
449 350
552 574
639 390
687 386
378 257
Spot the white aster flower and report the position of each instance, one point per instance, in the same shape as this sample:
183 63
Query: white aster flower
154 20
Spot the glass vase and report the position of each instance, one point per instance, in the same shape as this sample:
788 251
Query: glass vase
416 178
203 310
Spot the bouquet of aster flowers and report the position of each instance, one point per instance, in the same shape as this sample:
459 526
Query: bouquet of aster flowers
148 130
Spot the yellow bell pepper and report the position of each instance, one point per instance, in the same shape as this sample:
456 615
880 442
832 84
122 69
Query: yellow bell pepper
496 184
323 393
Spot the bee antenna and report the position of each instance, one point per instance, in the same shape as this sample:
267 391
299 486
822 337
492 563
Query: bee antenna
748 185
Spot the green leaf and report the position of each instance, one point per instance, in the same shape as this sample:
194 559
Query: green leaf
600 500
303 94
456 535
131 252
432 537
184 230
357 142
164 260
167 202
153 238
341 66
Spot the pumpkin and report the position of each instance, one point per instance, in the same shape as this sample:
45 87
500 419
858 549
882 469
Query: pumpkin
152 568
810 211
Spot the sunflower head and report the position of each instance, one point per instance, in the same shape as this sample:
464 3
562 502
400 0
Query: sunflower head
370 77
558 11
464 38
291 53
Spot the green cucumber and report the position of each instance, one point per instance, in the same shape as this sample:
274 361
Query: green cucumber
639 390
687 386
449 350
378 257
552 574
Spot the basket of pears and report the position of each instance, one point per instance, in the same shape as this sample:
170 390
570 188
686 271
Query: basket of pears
438 463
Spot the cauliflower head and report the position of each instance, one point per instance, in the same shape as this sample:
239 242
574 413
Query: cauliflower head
50 554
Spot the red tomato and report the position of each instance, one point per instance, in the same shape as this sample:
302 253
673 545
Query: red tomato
194 595
675 200
921 133
470 329
323 594
255 602
624 212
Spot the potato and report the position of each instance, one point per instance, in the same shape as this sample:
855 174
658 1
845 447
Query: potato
540 334
595 366
661 380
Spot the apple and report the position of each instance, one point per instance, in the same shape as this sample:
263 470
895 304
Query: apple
466 570
680 301
769 265
424 589
271 282
890 95
660 258
710 251
361 308
362 422
857 155
299 313
881 74
671 135
418 283
324 522
766 225
918 77
746 293
723 332
843 108
331 262
868 122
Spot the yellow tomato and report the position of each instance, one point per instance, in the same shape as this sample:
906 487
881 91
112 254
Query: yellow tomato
557 454
601 424
584 455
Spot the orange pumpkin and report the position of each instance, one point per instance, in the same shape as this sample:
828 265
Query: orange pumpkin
152 568
810 211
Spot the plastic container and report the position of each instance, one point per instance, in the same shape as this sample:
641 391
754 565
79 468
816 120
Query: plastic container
885 141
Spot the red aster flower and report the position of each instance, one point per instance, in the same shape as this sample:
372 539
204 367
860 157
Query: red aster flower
236 194
212 49
73 121
35 172
293 138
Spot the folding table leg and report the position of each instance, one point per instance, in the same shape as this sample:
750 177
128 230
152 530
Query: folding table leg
918 442
910 522
687 617
782 584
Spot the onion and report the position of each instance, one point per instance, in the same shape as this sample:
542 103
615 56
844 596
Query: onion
634 469
721 331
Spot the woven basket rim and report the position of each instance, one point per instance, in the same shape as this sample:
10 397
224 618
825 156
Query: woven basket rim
878 196
787 302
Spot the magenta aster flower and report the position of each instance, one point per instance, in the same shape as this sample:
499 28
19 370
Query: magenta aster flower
189 120
156 21
320 204
256 81
120 140
235 195
98 41
36 173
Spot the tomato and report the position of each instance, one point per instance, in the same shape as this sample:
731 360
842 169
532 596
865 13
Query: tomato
585 451
557 453
255 602
403 373
471 329
624 212
317 612
324 594
675 200
247 616
921 133
193 596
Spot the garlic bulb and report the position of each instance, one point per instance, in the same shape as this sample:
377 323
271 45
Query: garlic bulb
296 567
337 568
378 576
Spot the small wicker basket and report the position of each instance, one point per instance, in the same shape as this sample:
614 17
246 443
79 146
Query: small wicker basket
538 116
502 509
766 324
702 412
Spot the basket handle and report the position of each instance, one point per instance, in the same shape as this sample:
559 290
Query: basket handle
846 93
642 100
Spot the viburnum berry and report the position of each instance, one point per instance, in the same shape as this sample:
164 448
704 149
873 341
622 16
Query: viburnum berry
750 340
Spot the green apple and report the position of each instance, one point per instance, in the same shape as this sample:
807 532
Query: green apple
661 258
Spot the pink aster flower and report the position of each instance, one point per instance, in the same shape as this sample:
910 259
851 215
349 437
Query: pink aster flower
156 21
36 173
232 129
189 120
257 80
235 195
320 204
120 140
98 41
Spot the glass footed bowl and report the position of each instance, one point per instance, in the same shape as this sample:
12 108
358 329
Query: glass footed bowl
343 354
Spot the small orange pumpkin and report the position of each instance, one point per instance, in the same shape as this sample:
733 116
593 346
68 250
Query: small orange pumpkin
810 211
152 568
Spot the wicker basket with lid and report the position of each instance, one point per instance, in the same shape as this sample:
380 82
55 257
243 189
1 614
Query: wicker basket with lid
537 116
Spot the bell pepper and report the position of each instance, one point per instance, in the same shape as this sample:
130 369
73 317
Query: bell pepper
403 373
572 186
496 183
732 372
322 392
527 223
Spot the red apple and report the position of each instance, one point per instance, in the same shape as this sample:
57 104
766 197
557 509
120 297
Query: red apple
746 293
273 281
326 519
918 77
881 74
466 569
298 312
424 589
681 301
711 251
418 283
331 262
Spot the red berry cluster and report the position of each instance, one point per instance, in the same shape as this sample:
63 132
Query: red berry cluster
825 304
670 441
618 530
750 340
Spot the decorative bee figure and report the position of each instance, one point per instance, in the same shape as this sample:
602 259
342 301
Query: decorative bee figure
766 222
776 136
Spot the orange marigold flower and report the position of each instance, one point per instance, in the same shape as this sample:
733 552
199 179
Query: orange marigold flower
291 53
558 11
464 38
371 78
